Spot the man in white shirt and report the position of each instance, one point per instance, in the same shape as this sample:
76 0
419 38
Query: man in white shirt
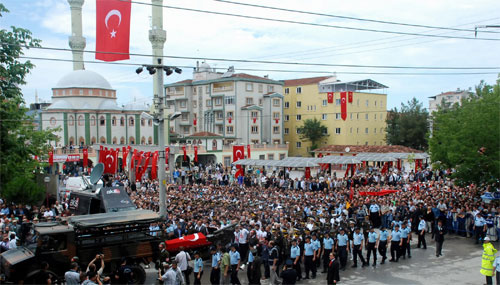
182 259
169 277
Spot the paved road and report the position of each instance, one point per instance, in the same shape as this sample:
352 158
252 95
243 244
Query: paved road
459 264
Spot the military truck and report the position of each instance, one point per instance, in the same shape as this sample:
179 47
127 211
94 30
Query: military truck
116 235
104 200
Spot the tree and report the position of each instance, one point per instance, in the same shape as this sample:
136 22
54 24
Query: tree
312 130
20 141
408 126
467 137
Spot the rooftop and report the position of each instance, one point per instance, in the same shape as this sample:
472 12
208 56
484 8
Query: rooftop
204 134
83 79
367 148
305 81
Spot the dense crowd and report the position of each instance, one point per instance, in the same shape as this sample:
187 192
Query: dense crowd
296 222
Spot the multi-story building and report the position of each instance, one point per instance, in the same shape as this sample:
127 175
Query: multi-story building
239 107
306 98
450 98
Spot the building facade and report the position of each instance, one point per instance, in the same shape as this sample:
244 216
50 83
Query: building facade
239 107
306 98
450 97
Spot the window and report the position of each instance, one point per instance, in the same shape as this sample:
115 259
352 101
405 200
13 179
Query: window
270 156
229 100
184 116
276 115
249 87
229 115
298 144
287 118
381 104
71 120
185 129
287 131
255 129
287 105
220 129
325 131
131 121
338 116
200 90
367 103
375 116
209 103
229 130
351 130
324 116
299 90
122 121
337 102
220 115
218 101
357 130
299 117
102 121
81 120
357 102
143 122
81 91
249 101
257 142
299 104
375 102
282 156
366 130
337 131
374 130
381 117
270 88
357 116
366 143
227 161
255 114
207 89
260 102
53 121
143 140
325 102
351 116
183 104
261 88
287 90
276 130
113 121
122 140
276 102
366 117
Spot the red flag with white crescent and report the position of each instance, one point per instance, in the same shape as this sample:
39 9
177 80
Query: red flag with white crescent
195 153
343 105
112 29
184 150
85 157
330 97
51 157
167 152
349 95
109 161
238 152
154 164
254 119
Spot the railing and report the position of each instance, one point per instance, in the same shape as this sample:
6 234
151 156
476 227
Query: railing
223 88
75 150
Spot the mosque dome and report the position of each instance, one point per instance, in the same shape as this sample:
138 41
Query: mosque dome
60 104
83 79
205 67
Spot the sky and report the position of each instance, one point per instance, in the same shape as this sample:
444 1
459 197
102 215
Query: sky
204 35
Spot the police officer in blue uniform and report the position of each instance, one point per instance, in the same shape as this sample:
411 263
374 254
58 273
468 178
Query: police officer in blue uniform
479 227
382 244
421 233
295 256
317 252
309 259
375 214
342 245
405 240
371 246
357 248
327 248
395 242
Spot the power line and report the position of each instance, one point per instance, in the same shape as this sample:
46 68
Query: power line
351 18
279 62
312 24
271 70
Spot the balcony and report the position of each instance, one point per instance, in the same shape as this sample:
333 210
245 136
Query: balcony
222 88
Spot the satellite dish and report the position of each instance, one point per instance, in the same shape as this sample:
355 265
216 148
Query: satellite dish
347 149
96 173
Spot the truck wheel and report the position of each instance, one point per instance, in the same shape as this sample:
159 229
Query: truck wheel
138 274
30 277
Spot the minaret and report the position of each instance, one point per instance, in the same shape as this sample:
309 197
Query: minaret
76 40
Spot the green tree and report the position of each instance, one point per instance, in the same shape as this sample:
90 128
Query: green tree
312 130
467 137
408 126
20 140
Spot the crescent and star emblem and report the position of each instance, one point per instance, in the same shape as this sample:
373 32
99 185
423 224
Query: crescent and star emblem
109 15
240 154
112 160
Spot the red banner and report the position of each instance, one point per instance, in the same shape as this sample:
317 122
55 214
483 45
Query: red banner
154 164
195 153
399 164
184 150
343 105
248 151
349 96
229 119
330 97
194 122
351 193
379 193
254 119
277 120
110 161
133 158
112 30
101 154
167 153
85 157
307 173
51 157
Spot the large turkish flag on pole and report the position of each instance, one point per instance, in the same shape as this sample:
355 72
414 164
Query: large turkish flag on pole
343 105
112 30
238 153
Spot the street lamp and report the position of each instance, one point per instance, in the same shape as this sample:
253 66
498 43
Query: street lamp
159 103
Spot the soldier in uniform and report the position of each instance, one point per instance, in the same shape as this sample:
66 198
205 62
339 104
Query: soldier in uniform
295 257
382 244
371 246
308 257
327 248
395 242
342 246
357 248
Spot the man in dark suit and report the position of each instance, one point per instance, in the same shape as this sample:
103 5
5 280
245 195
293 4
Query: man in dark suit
439 233
289 274
333 276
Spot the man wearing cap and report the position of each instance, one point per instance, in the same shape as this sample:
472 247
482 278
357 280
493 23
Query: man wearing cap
480 227
308 257
295 256
235 262
421 233
405 240
487 260
225 265
395 244
327 248
371 246
317 252
357 248
215 273
342 246
375 214
382 244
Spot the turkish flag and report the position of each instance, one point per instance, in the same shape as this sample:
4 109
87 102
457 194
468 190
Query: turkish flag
51 157
109 162
277 120
112 29
167 152
238 152
192 241
248 150
330 97
229 119
194 122
101 154
308 173
195 153
184 150
343 105
133 158
85 157
254 119
154 172
349 95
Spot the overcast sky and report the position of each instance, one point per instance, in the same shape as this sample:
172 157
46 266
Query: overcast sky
214 36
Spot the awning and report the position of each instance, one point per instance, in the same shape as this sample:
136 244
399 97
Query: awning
336 159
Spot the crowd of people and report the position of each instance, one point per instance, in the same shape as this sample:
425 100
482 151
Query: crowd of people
293 227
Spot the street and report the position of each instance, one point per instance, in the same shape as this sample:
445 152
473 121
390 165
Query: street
459 264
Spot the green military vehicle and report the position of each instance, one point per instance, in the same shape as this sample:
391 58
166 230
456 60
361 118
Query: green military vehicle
116 235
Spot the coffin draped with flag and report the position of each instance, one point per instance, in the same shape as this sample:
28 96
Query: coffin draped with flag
188 242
